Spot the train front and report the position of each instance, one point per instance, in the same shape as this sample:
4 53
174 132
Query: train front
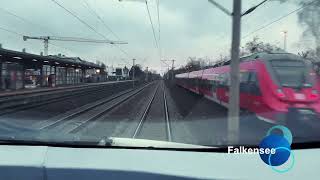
295 90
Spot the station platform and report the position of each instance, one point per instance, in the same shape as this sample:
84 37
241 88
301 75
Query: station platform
50 89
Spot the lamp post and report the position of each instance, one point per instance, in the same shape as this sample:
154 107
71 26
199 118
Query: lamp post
285 36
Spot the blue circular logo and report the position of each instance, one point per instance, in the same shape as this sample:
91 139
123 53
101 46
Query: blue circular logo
279 149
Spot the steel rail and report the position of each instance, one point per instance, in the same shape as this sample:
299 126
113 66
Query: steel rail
145 113
81 111
167 118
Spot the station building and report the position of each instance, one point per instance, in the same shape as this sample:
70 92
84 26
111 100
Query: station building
21 70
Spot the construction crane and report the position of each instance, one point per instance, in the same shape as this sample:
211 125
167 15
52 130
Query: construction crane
72 39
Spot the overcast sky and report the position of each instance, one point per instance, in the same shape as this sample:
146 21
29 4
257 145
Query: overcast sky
188 28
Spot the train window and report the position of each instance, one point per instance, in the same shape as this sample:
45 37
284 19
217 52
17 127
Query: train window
253 77
225 82
214 85
203 83
220 80
244 77
291 73
208 85
253 84
287 63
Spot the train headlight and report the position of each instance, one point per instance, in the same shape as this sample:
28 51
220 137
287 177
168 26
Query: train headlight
314 94
280 93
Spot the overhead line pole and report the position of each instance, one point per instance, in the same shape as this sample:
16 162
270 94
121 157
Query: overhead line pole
233 107
133 69
172 68
233 113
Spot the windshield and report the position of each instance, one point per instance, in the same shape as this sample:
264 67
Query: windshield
158 73
292 73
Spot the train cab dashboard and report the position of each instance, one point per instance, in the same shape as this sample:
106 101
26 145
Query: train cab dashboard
21 162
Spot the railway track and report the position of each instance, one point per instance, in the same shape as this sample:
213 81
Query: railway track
167 117
74 120
69 93
147 127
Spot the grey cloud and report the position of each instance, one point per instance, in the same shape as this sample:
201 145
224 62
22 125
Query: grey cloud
188 27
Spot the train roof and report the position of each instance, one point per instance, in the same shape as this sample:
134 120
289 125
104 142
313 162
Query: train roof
271 56
195 73
264 56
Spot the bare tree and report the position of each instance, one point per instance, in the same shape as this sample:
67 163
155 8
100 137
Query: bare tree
256 45
308 17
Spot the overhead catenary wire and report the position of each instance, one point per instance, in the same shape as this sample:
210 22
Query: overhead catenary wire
11 31
93 12
157 43
24 19
79 19
64 49
87 25
279 19
21 35
250 10
31 23
159 29
158 12
152 26
100 19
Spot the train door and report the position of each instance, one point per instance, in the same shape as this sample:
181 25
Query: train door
254 93
213 88
213 85
195 85
223 89
244 89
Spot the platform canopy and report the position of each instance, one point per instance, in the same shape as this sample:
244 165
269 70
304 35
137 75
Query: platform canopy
54 60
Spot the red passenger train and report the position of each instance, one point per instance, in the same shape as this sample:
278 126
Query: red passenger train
271 85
